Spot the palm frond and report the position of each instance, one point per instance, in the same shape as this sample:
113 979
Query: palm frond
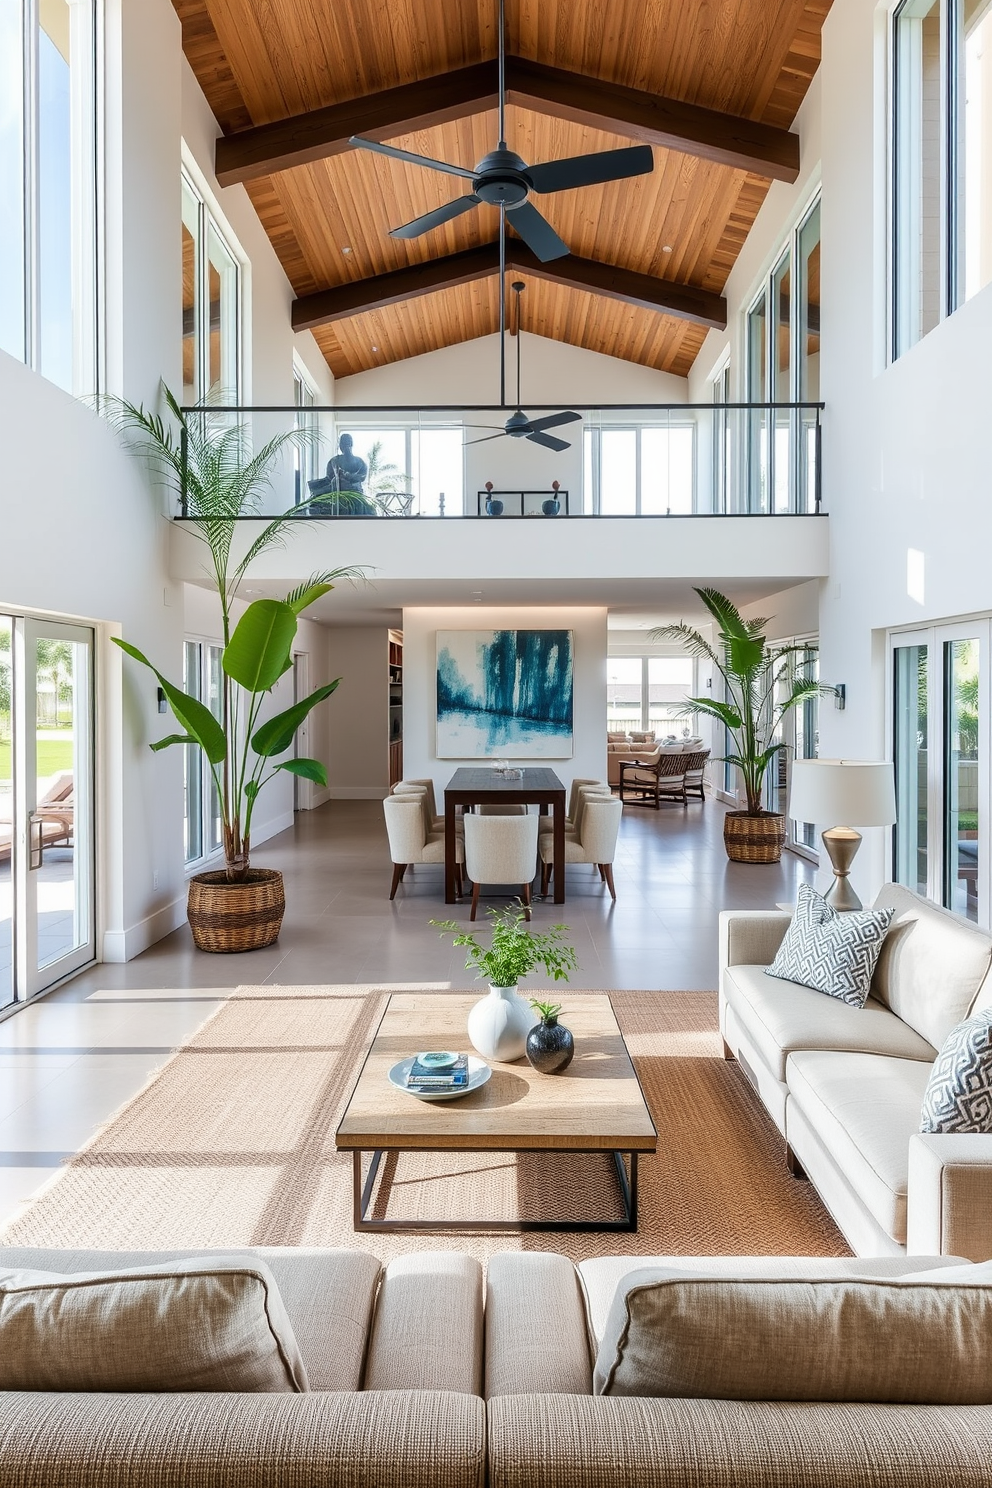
726 614
696 644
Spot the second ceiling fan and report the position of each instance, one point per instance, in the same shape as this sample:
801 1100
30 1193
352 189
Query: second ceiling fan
518 425
502 179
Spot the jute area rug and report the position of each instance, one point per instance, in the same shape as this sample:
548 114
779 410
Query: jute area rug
232 1143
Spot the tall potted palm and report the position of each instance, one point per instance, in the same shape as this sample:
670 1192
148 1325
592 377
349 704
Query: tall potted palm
217 479
754 675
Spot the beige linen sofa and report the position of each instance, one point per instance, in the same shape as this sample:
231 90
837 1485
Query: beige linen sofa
413 1385
845 1085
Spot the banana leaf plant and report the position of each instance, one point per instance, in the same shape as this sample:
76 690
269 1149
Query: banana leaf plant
216 478
259 652
754 673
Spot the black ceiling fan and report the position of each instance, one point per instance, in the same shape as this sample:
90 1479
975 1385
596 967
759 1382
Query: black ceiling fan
503 180
518 425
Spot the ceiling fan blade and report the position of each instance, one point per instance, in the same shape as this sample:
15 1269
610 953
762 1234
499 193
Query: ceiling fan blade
538 234
592 170
549 442
486 438
425 160
552 420
437 218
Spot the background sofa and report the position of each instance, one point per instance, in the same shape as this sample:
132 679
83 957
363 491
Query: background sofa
415 1383
845 1085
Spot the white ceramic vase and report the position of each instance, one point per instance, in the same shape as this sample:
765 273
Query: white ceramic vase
498 1025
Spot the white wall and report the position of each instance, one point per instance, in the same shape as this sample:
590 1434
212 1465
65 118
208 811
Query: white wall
358 713
420 627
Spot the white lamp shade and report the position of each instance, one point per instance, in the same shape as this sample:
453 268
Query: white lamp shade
843 793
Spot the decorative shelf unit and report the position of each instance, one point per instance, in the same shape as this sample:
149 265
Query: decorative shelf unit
395 706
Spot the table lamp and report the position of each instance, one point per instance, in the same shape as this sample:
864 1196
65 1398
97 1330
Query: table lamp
861 791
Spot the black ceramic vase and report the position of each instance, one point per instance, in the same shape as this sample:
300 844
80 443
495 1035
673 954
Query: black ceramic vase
550 1046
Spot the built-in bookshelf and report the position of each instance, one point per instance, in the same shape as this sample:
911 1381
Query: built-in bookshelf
395 706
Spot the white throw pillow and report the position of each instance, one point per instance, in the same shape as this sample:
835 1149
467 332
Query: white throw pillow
958 1097
831 952
188 1325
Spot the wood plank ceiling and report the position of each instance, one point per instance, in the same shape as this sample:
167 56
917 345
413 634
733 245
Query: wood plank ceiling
261 61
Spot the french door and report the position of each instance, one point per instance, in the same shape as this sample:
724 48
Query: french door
46 804
940 733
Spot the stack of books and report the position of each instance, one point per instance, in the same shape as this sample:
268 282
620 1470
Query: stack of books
426 1075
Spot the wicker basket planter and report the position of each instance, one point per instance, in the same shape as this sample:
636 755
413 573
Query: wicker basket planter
754 839
243 916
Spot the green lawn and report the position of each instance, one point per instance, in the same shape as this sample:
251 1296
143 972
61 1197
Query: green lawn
53 755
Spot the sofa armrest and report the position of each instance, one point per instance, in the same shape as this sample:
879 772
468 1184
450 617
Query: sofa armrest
949 1202
537 1336
407 1439
751 937
427 1329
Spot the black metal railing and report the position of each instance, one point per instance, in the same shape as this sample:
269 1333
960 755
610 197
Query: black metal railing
614 460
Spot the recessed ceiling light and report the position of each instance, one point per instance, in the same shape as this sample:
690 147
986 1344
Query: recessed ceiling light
375 348
666 248
346 249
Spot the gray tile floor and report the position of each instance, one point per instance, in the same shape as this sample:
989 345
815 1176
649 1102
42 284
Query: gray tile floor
69 1060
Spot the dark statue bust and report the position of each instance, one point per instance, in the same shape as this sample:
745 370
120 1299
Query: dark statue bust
347 471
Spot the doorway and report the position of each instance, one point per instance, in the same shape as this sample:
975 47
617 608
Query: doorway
302 789
46 804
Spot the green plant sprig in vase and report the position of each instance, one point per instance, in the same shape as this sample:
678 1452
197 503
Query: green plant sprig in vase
499 1024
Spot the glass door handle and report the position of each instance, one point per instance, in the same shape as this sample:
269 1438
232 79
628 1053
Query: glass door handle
36 843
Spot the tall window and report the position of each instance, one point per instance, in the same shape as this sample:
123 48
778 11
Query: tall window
649 692
202 680
782 364
941 237
646 470
47 188
412 470
304 453
941 749
211 305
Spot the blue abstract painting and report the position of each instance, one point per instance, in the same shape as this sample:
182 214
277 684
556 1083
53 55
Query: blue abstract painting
505 693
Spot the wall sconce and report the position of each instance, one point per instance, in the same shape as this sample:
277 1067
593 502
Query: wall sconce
163 706
840 696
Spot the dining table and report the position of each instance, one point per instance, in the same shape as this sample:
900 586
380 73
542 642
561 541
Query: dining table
482 786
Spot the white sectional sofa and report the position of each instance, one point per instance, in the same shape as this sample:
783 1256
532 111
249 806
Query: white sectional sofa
845 1085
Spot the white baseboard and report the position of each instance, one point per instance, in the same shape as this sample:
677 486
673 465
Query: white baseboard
124 945
271 828
358 792
318 797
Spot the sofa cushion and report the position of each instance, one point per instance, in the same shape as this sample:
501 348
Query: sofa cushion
602 1276
931 966
864 1108
830 952
958 1097
328 1296
216 1325
842 1338
427 1331
536 1337
781 1017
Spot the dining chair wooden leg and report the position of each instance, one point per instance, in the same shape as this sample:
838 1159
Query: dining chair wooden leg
525 897
398 870
475 901
602 872
608 868
545 879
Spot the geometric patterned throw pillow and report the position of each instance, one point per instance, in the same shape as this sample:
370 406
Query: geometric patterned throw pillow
959 1092
831 952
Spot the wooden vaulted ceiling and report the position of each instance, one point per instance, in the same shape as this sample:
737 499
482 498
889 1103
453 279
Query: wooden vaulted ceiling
260 62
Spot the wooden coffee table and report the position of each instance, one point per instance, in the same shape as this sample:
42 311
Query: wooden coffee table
595 1106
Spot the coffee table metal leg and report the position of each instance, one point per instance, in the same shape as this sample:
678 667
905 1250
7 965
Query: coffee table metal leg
363 1195
628 1189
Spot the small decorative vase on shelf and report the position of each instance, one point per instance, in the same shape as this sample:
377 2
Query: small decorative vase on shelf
549 1046
499 1024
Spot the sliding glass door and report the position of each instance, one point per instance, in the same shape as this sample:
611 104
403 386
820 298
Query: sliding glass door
46 804
941 750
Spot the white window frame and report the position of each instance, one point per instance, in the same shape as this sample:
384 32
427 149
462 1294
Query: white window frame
210 216
594 433
197 864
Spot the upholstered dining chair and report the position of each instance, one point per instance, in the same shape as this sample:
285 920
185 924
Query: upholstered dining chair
501 850
581 789
411 842
595 842
662 775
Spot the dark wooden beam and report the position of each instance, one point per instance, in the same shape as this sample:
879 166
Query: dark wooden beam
378 116
742 144
643 290
345 300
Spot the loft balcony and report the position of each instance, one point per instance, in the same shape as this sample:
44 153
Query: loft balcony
442 496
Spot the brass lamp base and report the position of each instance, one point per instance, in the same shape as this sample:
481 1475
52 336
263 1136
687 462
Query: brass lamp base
842 844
